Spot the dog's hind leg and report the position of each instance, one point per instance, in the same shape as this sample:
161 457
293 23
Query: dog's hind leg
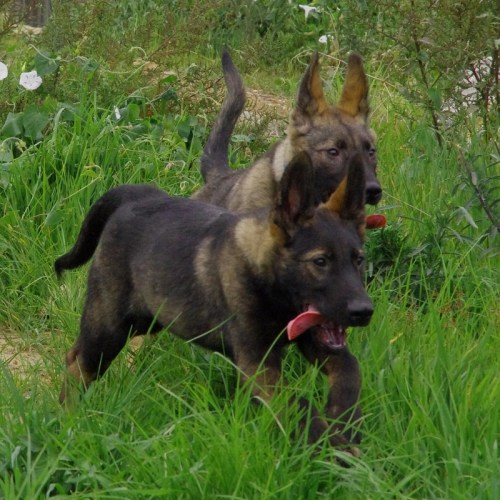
104 330
90 357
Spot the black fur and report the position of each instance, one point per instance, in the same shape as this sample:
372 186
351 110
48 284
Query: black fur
228 282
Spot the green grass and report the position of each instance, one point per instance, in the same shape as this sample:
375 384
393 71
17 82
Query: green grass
172 421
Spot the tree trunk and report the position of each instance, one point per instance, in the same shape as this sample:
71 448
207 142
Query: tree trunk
32 12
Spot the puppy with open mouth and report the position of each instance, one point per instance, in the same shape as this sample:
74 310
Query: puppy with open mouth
231 282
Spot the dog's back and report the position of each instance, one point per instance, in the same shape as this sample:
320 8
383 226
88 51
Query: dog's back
243 190
131 228
96 220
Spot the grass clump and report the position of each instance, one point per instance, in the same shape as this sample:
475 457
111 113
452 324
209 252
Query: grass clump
171 420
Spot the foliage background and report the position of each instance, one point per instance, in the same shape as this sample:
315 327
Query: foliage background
129 92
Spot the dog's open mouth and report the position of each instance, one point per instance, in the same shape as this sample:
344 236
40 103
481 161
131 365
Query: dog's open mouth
325 331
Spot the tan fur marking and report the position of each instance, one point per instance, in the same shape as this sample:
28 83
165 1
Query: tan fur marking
277 234
256 242
76 370
314 254
353 100
258 185
202 261
264 378
316 89
75 376
362 230
337 199
282 157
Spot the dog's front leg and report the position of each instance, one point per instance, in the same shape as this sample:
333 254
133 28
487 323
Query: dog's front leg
344 376
264 375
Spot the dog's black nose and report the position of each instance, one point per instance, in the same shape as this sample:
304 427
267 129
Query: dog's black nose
373 193
360 312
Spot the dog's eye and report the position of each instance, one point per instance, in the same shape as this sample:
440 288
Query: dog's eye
371 152
359 259
320 261
333 151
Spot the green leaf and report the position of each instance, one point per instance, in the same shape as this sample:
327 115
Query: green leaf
435 97
87 64
91 173
134 111
423 56
4 176
67 112
9 219
237 138
13 126
184 130
44 64
34 122
6 156
168 79
169 95
468 217
53 217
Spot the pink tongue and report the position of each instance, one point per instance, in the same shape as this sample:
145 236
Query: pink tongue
303 322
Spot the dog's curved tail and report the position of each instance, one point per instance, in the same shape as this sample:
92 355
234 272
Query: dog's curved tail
96 220
215 159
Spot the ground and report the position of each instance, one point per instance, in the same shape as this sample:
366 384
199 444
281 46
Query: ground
23 360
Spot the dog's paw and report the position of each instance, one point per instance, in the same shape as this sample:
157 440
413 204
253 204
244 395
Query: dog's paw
347 457
355 452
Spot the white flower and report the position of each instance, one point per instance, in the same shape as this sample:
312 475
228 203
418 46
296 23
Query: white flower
324 39
117 113
308 9
30 80
4 71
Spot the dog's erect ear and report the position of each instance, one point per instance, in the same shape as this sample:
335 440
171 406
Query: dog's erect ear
348 200
311 98
354 98
295 200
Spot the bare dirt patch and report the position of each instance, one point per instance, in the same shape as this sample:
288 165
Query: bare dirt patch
260 107
264 103
28 362
24 361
